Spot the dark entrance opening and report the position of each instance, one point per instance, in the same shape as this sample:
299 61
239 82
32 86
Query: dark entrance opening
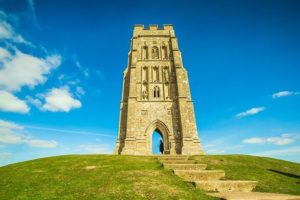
157 142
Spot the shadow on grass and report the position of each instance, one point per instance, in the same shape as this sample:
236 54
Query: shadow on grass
285 173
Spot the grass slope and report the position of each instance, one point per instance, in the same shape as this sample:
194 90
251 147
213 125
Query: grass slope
273 175
115 177
134 177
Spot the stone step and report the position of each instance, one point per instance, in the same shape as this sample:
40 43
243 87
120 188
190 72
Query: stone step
185 166
253 196
177 161
172 158
200 175
169 156
226 186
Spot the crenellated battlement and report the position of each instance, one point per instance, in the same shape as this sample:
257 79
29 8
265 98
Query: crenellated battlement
140 27
153 30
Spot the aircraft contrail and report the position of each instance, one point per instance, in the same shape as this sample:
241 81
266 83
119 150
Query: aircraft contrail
70 131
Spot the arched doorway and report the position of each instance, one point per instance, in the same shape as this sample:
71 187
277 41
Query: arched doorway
157 139
163 131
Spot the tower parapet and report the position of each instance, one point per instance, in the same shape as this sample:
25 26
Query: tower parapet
153 30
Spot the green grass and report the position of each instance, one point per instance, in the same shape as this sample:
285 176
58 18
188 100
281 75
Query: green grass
273 175
115 177
135 177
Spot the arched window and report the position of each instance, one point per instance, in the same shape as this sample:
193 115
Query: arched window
145 53
145 74
155 74
164 52
156 92
155 53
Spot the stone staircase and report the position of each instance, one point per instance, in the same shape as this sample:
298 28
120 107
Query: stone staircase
211 181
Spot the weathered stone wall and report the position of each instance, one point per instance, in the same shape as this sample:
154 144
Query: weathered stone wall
156 96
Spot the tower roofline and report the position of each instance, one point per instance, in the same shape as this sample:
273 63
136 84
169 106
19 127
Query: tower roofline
139 27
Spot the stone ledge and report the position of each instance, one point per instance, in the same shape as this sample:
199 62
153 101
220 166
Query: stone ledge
178 161
200 175
253 196
226 186
186 166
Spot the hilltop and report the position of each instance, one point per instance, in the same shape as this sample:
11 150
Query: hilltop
134 177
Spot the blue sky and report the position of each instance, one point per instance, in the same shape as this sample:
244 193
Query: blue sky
61 65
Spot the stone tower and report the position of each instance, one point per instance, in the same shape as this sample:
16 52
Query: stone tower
156 96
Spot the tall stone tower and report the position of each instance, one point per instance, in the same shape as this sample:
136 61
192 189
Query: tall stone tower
156 96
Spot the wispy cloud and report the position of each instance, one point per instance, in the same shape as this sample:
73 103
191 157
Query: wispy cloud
9 132
79 91
32 12
12 133
5 155
284 94
290 151
71 131
84 70
221 145
42 143
96 148
10 103
7 31
284 139
215 151
252 111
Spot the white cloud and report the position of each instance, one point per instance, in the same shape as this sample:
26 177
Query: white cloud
9 132
42 143
4 54
9 138
12 133
10 125
284 94
60 99
254 140
284 139
215 151
290 151
11 103
251 111
5 155
280 140
20 69
8 33
26 70
5 31
96 148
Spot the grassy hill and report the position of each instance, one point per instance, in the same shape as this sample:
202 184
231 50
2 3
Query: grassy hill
273 175
74 177
134 177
